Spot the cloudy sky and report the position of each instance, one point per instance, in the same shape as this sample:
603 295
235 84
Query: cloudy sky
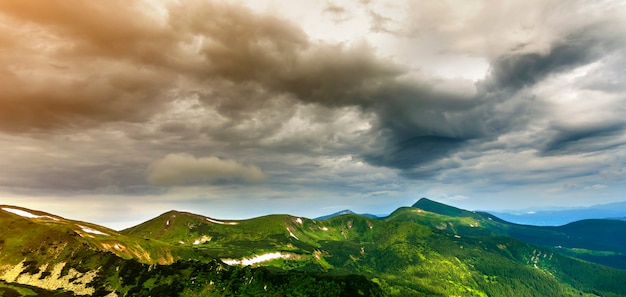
116 111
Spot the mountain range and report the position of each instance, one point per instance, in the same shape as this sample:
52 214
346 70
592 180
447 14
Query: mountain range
428 249
540 217
558 217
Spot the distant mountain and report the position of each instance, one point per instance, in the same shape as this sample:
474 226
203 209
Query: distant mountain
345 212
599 240
565 216
339 213
413 252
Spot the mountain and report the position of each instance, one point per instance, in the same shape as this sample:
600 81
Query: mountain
565 216
410 253
599 241
380 250
46 255
344 212
447 210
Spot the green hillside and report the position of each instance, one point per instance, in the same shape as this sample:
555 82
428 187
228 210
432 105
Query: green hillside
46 255
410 253
599 241
406 254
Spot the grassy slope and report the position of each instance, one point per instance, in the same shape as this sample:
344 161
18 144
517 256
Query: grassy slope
599 241
405 258
415 258
411 253
34 247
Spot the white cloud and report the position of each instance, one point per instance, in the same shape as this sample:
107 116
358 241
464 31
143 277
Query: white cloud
595 187
184 169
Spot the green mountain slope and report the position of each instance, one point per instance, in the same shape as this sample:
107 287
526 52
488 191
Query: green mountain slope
46 255
599 241
410 253
405 255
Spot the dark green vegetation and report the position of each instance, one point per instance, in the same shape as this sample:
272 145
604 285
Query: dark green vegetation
51 256
426 250
598 241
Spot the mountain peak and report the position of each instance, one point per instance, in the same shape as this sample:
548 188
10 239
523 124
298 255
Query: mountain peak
425 202
422 200
339 213
440 208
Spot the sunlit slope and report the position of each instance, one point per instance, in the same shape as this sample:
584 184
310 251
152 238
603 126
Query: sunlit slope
416 259
37 233
238 238
600 241
46 255
410 253
406 258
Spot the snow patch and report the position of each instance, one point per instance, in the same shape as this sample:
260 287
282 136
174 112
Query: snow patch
26 214
257 259
167 223
220 222
324 228
291 234
299 221
92 231
202 239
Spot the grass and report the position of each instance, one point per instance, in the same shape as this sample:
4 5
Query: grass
22 291
413 252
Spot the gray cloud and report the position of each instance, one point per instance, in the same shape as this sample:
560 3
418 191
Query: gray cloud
185 169
417 150
241 63
108 88
589 138
516 71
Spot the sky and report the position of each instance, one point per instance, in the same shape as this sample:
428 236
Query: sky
116 111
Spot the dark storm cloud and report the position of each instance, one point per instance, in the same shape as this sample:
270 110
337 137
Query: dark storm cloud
508 103
117 61
417 150
413 117
426 127
271 61
515 71
585 139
